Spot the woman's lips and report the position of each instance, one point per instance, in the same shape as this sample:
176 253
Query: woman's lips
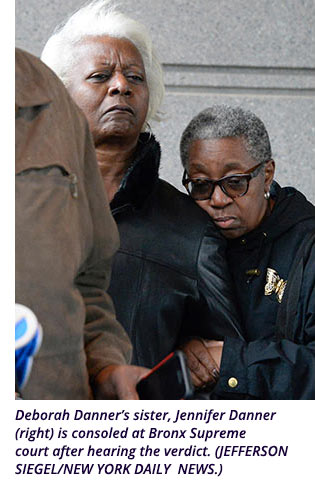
224 222
119 108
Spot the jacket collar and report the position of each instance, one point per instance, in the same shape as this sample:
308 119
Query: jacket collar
31 84
290 207
142 175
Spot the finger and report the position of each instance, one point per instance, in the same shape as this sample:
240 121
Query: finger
206 361
215 349
128 394
197 382
127 381
198 370
199 348
200 362
213 343
139 372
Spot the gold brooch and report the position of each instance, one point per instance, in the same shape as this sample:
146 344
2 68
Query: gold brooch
274 284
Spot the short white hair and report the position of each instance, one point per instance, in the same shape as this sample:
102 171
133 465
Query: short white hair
101 18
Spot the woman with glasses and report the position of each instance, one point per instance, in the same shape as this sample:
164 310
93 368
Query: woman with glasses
229 173
169 277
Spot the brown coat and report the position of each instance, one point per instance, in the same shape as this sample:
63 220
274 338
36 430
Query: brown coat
65 239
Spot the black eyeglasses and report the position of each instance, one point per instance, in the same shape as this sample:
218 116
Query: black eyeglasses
234 185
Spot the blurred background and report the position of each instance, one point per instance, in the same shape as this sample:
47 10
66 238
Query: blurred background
259 54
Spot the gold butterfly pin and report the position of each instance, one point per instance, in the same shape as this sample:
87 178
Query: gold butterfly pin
274 284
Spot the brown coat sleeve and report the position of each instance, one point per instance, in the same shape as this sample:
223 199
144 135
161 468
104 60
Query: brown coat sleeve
106 342
65 239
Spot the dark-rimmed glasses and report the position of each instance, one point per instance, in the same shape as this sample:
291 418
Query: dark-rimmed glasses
234 185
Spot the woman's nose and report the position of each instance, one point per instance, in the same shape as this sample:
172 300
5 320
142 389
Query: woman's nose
119 85
219 199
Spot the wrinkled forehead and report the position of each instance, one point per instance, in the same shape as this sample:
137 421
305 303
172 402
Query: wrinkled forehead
224 154
229 147
107 50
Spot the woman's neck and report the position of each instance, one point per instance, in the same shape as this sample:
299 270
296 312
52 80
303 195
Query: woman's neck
113 162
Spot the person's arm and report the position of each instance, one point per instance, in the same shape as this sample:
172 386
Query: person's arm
270 368
217 303
106 342
214 314
204 366
263 369
107 346
266 369
276 369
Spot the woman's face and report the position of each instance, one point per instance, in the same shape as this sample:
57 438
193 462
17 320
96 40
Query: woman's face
215 159
108 82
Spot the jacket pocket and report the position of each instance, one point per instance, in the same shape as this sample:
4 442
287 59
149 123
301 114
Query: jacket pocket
53 240
57 173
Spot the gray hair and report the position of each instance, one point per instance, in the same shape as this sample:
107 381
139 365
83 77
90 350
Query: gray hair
221 121
101 18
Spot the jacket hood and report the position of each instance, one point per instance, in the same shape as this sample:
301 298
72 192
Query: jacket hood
141 176
291 207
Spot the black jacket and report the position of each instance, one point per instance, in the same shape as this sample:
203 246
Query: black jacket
264 366
169 277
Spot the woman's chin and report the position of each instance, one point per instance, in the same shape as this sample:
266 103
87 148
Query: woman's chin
117 132
233 233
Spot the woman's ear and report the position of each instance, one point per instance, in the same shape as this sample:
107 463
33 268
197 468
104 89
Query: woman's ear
269 173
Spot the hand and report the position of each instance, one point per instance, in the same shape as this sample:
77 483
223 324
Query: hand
118 382
215 348
203 360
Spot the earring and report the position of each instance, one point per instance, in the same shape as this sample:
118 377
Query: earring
267 195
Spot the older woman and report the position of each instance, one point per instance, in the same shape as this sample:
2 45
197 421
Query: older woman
229 172
169 277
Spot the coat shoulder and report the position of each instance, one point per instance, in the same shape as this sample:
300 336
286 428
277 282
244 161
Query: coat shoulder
168 229
180 206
